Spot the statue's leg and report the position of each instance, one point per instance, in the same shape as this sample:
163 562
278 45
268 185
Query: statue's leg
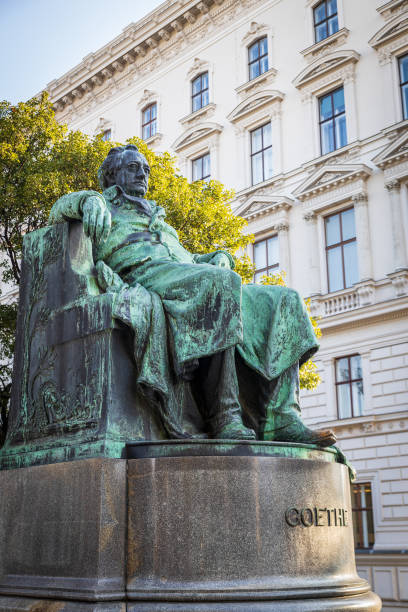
215 388
282 420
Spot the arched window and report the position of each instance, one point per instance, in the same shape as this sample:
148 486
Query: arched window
258 58
199 92
149 121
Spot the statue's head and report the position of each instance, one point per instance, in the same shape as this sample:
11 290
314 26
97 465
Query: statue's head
127 168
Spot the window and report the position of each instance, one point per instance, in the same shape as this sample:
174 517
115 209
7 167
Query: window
266 257
332 121
202 168
106 135
199 92
149 121
341 250
261 153
258 58
325 19
349 387
403 72
362 508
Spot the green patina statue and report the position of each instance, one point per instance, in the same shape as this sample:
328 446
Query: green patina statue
238 346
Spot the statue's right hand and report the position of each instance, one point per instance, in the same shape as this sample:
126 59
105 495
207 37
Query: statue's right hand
96 219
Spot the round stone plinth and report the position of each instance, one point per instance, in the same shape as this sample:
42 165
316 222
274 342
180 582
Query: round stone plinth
240 526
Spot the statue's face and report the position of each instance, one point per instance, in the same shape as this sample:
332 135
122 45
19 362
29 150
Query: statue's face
133 174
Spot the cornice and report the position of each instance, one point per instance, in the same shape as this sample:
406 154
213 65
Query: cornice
139 49
383 558
390 9
393 153
261 205
394 29
204 112
327 44
193 134
369 424
263 79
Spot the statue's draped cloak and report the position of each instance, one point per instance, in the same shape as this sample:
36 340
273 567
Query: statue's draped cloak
182 308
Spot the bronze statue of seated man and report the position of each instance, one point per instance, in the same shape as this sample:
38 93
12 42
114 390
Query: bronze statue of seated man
239 346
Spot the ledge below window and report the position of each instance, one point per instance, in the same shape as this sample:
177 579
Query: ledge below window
155 139
265 77
204 112
334 40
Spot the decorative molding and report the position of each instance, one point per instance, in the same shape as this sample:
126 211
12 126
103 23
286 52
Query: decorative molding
260 205
263 79
399 280
371 424
392 30
203 113
310 217
366 292
154 140
393 153
197 67
329 177
255 102
392 8
255 30
103 125
326 45
393 185
193 134
360 199
332 66
147 98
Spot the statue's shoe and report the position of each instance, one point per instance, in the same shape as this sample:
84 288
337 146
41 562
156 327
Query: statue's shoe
235 431
298 432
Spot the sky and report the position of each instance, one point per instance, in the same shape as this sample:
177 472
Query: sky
43 39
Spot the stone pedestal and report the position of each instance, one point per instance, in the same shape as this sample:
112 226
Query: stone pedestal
182 527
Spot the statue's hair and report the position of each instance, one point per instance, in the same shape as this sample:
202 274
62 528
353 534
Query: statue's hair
111 163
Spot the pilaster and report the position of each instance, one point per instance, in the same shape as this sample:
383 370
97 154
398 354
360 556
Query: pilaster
313 253
398 238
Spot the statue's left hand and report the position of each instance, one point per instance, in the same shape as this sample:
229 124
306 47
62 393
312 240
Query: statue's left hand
108 280
221 260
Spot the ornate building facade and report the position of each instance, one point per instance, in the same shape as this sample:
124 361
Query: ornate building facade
302 107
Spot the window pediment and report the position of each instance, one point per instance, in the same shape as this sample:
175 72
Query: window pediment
197 67
396 27
393 153
330 177
331 63
255 30
259 205
148 98
253 103
103 125
389 9
188 137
